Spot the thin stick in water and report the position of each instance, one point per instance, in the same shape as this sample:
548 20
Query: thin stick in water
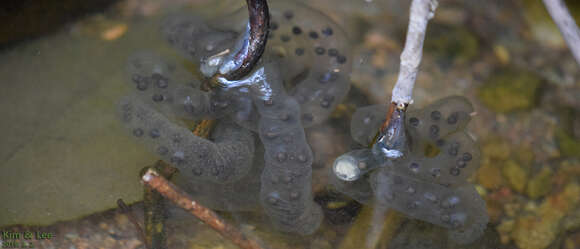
420 14
152 180
566 24
127 210
154 209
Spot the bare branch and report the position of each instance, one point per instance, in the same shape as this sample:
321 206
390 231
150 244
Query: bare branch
153 180
420 14
566 24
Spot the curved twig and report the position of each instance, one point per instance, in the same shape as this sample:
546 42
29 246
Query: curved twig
253 44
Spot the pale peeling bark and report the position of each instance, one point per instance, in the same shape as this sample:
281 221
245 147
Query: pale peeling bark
566 24
420 14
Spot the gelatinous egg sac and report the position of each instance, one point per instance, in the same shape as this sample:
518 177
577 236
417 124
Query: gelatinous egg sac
305 69
430 183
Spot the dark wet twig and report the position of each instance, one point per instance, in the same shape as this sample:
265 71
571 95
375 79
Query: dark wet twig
127 210
153 180
389 117
566 24
391 135
391 141
154 210
254 41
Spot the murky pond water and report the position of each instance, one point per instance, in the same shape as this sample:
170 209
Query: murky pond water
74 143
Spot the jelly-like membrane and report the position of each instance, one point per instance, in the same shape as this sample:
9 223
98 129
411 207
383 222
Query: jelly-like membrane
430 182
302 76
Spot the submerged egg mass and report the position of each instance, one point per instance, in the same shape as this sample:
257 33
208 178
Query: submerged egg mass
433 186
304 71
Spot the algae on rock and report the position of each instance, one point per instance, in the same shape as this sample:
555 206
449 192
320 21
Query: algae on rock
489 176
569 147
510 90
496 148
451 44
516 175
540 184
539 229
